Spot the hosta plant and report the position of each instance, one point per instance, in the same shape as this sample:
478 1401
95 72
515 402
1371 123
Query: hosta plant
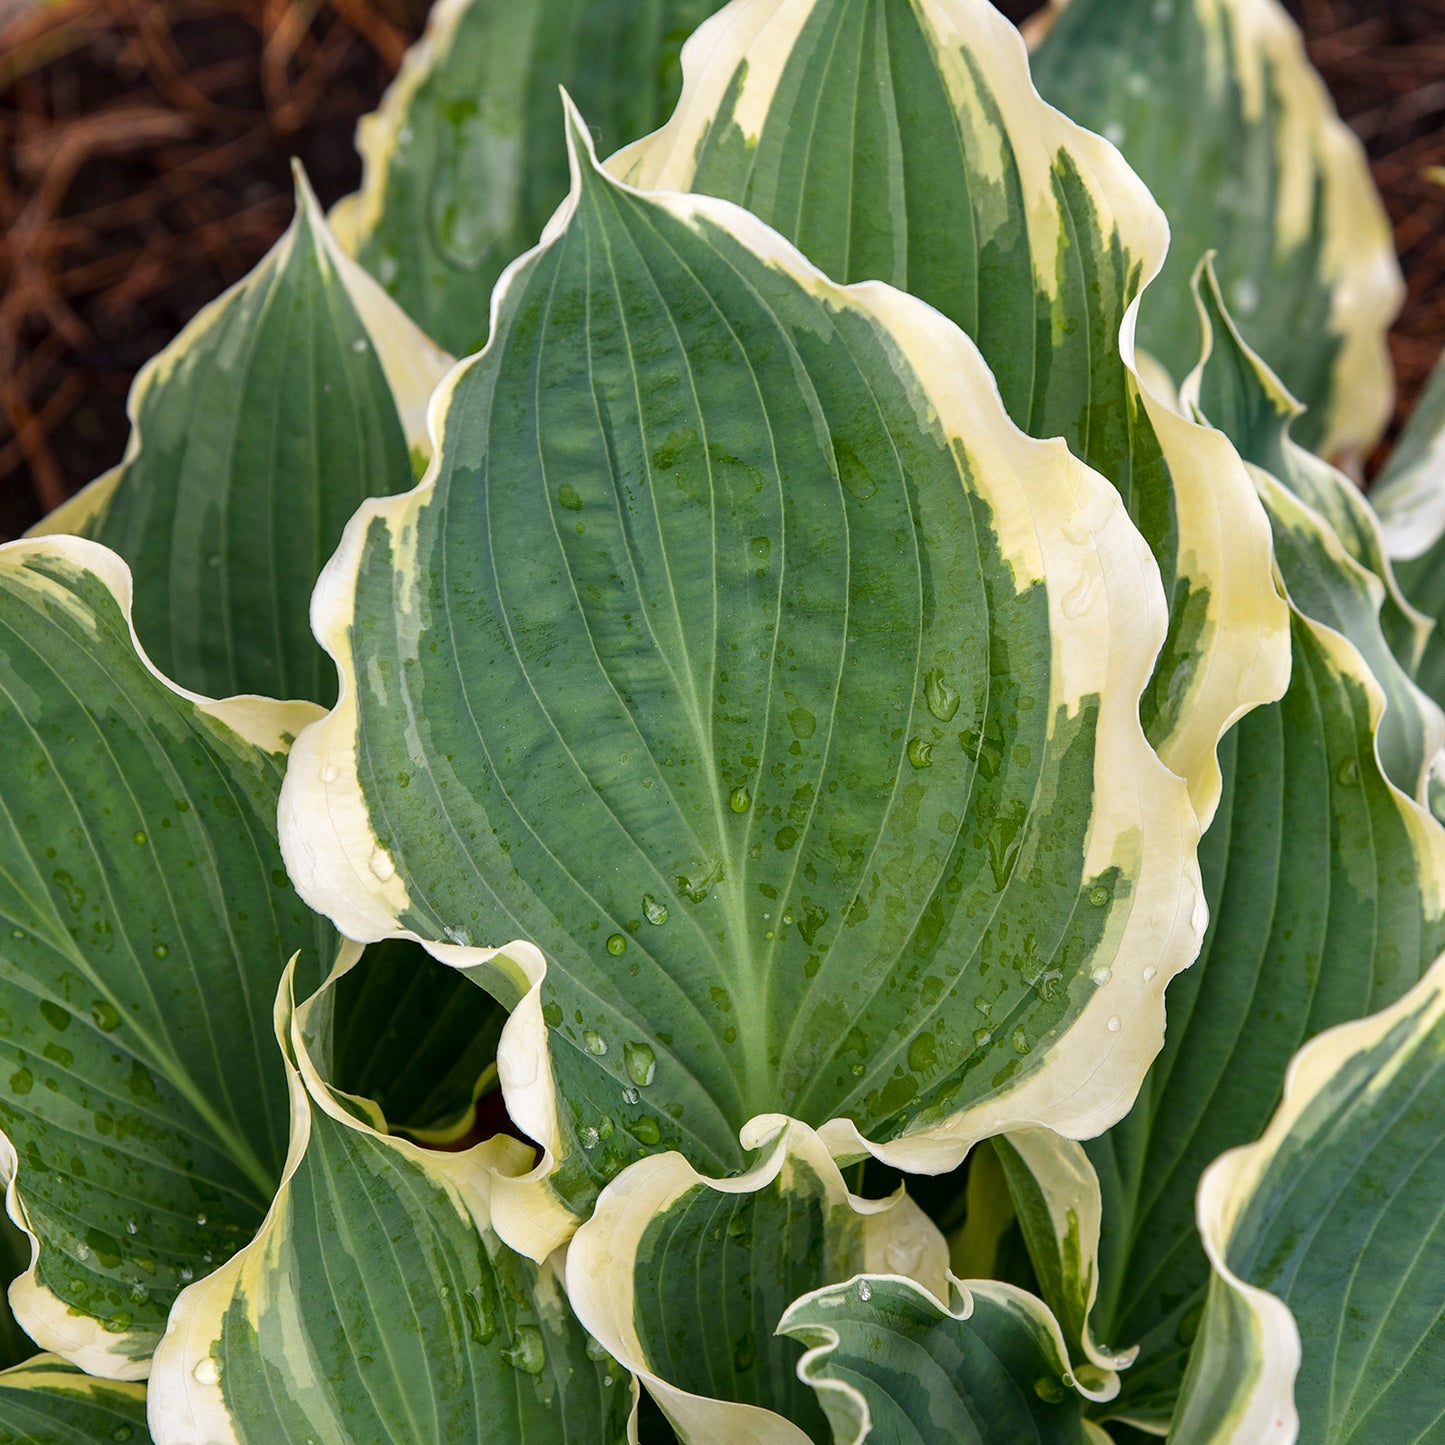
849 853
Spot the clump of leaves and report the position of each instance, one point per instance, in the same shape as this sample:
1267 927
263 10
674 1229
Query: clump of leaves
876 609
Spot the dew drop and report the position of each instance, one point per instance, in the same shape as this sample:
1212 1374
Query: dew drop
865 1290
528 1352
106 1015
802 722
186 1273
981 1037
588 1137
903 1256
645 1130
359 346
207 1372
1021 1041
1349 772
161 951
1114 1024
122 1432
652 910
594 1043
596 1350
139 838
1102 975
1050 1390
330 773
1245 296
641 1063
382 866
1150 974
920 753
630 1095
617 945
460 936
942 699
132 1227
201 1220
1098 895
740 800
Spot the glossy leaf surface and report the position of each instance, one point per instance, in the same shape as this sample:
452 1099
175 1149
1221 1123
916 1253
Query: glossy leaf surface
146 920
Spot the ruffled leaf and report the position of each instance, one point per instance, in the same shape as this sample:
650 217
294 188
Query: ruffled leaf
1328 1245
285 403
893 1365
377 1302
145 918
463 165
905 142
745 663
685 1280
1218 108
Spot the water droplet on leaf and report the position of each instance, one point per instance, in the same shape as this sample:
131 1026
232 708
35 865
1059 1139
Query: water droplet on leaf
920 753
641 1063
528 1352
942 699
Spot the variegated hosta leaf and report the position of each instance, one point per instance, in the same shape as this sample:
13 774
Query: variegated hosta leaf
1410 500
1057 1200
684 1279
48 1401
905 142
144 920
463 161
255 434
744 658
377 1302
893 1365
1345 584
1216 105
1326 890
417 1038
1335 1213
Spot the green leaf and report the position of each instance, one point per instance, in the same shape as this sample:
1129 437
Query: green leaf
144 920
1057 1200
663 1239
255 434
1335 1213
1325 898
463 165
48 1401
905 142
743 670
417 1038
377 1302
1216 105
1347 585
1410 499
894 1366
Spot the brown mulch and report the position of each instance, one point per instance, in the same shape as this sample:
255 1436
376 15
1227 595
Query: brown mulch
144 148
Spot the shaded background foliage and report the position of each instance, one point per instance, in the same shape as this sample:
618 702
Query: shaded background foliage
144 150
